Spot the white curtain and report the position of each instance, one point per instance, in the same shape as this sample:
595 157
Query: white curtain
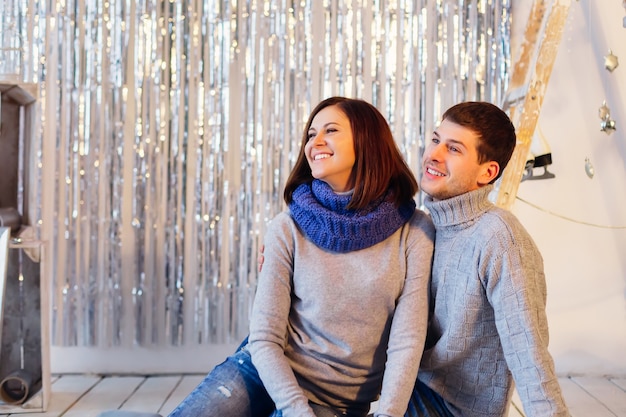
167 130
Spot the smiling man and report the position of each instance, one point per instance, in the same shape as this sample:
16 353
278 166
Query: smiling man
488 325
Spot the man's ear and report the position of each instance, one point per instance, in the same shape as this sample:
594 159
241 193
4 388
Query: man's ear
489 171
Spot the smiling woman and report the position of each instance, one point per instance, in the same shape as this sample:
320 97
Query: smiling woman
332 328
330 148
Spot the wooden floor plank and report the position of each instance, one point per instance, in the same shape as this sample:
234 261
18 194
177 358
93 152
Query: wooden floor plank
152 394
580 402
187 384
65 392
89 395
109 394
605 391
620 382
514 411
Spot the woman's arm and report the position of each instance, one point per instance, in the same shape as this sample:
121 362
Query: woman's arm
269 321
408 329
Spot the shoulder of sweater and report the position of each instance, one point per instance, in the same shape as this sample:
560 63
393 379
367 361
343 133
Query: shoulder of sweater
281 232
284 227
501 224
282 217
281 221
423 221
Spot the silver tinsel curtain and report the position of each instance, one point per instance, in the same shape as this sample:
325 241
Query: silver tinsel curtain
168 128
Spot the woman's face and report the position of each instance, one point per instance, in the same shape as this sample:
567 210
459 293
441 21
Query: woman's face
330 148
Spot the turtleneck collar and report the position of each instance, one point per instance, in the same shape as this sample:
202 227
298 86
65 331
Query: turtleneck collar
322 216
460 211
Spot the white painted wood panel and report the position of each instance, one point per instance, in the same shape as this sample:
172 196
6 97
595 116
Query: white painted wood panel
109 394
152 394
89 395
580 403
186 385
620 382
514 411
605 391
66 391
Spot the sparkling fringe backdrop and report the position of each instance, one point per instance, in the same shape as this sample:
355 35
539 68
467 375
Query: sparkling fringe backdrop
168 128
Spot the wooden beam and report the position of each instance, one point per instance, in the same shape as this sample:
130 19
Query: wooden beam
529 80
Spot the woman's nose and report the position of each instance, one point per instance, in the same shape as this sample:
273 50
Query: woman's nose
318 139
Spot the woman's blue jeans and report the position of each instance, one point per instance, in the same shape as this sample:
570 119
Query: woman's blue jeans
425 402
234 389
231 389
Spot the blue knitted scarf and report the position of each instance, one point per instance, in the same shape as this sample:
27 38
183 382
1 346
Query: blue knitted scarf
323 218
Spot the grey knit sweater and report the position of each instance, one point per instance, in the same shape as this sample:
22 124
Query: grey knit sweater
489 324
333 328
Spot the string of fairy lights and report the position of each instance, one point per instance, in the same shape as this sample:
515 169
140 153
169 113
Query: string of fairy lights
567 218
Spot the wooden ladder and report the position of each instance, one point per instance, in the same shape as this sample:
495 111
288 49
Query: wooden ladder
527 88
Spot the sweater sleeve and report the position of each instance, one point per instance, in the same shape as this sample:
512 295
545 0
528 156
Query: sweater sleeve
408 329
517 293
268 323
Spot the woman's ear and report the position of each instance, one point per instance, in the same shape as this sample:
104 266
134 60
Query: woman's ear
490 170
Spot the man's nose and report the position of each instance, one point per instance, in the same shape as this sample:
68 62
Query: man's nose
433 152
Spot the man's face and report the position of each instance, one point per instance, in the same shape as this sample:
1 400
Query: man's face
450 164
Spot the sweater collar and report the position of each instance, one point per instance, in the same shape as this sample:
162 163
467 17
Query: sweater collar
460 211
322 216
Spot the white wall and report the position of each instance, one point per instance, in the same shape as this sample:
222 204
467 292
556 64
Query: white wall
585 264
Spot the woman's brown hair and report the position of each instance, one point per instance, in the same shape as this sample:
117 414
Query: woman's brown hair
379 166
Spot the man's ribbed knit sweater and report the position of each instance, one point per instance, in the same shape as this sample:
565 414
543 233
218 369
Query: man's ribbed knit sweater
325 325
488 324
